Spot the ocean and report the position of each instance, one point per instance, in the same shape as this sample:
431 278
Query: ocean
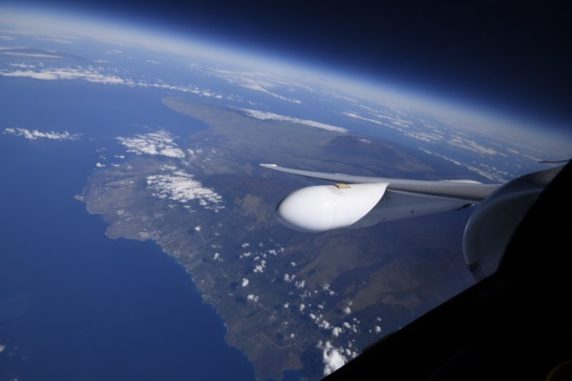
74 304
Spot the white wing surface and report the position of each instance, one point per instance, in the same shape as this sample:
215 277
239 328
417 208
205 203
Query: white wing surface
358 201
466 190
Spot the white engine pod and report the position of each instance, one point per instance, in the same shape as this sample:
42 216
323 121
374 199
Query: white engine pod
490 227
325 207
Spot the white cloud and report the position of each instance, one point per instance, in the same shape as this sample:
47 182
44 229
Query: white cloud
154 143
35 134
2 348
89 75
259 268
256 82
30 55
58 40
190 89
470 145
181 187
490 173
99 165
332 357
252 298
101 76
441 156
487 171
428 132
257 87
324 324
377 329
360 117
336 331
114 51
21 65
245 282
263 115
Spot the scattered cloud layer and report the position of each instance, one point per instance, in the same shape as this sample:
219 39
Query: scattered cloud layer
264 115
488 171
256 82
104 76
476 152
155 143
424 130
183 188
89 75
35 134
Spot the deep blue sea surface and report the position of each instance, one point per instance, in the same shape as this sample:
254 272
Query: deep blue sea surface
75 305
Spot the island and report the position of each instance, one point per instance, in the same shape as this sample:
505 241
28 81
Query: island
289 300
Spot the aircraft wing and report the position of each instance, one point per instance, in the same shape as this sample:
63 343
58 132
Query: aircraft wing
360 201
357 201
465 190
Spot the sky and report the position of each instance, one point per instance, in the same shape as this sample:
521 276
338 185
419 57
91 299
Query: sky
510 57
